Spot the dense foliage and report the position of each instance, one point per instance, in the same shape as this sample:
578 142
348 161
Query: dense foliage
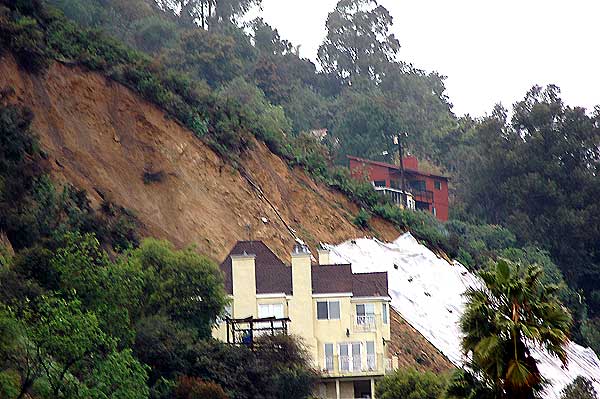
537 173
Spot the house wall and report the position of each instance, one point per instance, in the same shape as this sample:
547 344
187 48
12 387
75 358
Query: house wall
335 331
244 284
440 197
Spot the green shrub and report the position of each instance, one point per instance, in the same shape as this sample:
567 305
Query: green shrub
10 384
463 385
410 384
195 388
25 39
580 388
362 219
153 177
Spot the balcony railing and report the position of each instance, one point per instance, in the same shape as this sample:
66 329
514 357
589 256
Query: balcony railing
375 363
364 323
350 364
388 365
329 361
371 362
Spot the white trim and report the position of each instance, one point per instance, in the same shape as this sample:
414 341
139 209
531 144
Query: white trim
332 295
268 296
371 298
243 256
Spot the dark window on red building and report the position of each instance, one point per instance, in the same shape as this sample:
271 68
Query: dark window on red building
418 185
379 183
438 185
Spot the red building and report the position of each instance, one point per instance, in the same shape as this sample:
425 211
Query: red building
430 191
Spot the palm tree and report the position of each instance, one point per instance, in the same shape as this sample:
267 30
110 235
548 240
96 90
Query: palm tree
507 317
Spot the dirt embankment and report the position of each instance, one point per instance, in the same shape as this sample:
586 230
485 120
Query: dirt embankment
413 349
101 137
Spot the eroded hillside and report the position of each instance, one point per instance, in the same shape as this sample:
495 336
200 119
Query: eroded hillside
103 138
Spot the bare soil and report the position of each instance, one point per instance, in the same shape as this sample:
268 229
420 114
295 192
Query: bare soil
102 137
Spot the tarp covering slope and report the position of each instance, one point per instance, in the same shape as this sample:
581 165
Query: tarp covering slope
427 291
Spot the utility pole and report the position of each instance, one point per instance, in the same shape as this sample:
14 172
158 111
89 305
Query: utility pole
398 140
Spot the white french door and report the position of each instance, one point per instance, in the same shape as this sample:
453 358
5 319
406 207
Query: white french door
350 357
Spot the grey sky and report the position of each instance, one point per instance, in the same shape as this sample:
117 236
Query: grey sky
491 51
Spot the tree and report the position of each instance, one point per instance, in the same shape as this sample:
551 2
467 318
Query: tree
504 320
364 125
267 39
358 42
410 384
204 12
183 285
539 173
59 349
154 33
580 388
207 56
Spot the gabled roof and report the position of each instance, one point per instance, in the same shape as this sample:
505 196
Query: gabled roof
395 167
274 277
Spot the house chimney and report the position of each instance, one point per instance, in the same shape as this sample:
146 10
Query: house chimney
324 256
243 277
301 270
300 308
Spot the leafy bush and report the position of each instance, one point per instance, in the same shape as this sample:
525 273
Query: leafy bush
463 385
195 388
410 384
25 39
154 33
266 121
362 219
153 177
580 388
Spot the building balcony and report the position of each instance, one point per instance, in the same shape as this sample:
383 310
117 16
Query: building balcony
365 323
363 365
398 197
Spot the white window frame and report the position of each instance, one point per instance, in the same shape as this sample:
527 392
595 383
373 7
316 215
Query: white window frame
328 302
271 312
369 317
325 356
372 361
385 313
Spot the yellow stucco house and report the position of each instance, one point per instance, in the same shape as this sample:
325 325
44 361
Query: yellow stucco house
342 317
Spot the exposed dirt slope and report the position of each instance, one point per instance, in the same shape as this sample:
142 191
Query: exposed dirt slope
413 349
101 137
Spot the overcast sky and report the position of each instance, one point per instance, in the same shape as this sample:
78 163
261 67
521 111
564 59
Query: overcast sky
491 51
